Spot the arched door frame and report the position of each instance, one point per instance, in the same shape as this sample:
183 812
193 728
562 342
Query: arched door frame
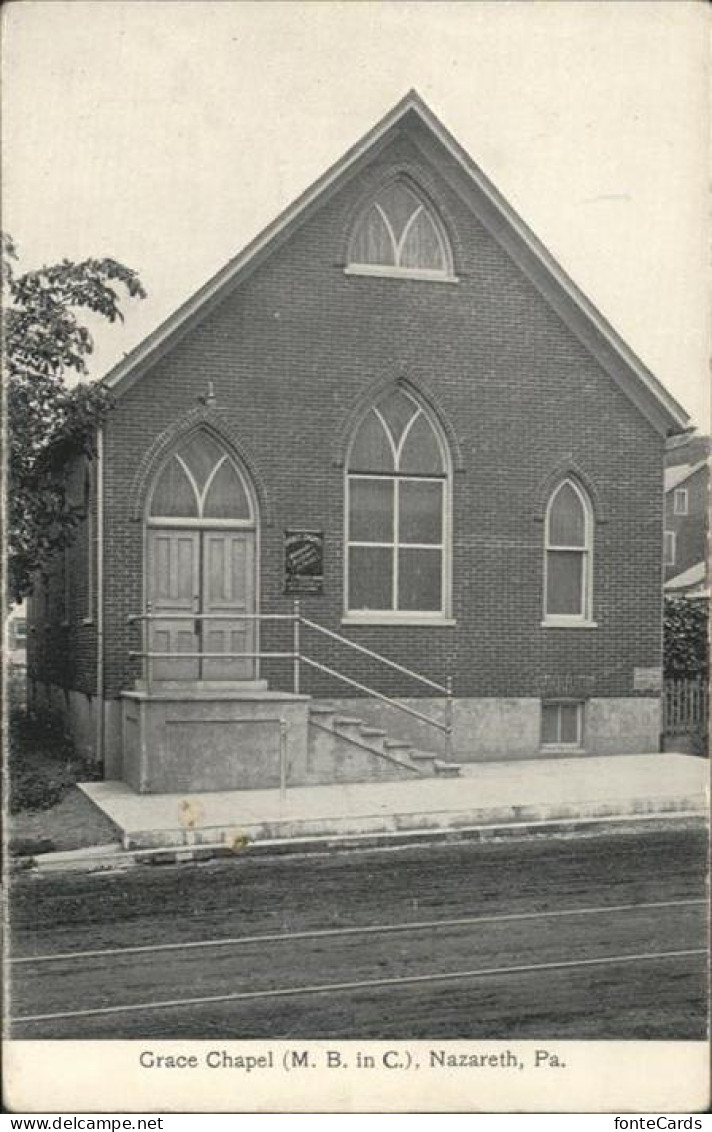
201 524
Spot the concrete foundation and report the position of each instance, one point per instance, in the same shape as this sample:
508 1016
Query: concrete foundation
197 740
487 729
178 745
77 712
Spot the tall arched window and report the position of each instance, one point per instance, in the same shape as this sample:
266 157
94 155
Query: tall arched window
568 574
397 499
399 233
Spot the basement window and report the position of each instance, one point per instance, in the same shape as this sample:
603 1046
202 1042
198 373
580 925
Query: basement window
561 725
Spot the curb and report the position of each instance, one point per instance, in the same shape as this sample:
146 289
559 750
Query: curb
115 859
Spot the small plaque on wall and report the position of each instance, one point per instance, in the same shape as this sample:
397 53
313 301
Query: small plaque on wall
303 562
647 679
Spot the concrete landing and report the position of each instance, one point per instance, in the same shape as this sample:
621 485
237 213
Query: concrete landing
487 794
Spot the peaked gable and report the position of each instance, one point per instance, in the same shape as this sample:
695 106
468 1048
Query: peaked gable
413 117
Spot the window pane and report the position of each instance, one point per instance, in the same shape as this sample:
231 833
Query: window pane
422 247
567 521
372 242
399 204
201 453
397 410
549 723
226 498
421 515
370 578
569 723
370 510
371 450
174 495
564 582
421 451
419 580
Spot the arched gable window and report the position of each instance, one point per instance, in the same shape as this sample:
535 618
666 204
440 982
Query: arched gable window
397 501
200 482
400 234
568 574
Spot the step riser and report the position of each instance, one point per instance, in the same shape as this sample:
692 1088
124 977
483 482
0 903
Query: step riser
345 749
334 757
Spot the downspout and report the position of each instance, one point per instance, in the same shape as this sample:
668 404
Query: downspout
100 596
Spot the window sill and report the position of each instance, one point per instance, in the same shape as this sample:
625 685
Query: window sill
389 619
385 272
87 620
561 748
553 624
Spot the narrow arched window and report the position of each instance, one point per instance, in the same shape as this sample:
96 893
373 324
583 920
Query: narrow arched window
568 574
399 233
397 500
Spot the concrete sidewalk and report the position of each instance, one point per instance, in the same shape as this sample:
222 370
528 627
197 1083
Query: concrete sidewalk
487 795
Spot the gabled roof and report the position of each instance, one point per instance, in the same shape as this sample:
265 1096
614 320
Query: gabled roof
503 223
680 472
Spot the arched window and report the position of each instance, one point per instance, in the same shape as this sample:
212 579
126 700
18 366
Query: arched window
397 499
568 574
400 234
200 482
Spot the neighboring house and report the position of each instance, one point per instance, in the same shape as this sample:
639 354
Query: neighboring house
691 583
686 524
396 406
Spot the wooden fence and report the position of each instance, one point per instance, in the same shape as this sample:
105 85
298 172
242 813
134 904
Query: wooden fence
685 706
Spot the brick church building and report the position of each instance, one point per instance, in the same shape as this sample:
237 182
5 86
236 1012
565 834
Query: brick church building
396 410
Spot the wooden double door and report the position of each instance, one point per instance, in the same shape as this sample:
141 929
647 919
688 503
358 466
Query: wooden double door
201 571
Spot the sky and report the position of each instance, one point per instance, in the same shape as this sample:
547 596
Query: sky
168 134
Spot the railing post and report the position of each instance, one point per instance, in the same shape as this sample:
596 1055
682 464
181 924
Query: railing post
296 646
147 636
448 684
282 760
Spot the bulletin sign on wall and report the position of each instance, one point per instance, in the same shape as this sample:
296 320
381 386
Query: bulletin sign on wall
304 562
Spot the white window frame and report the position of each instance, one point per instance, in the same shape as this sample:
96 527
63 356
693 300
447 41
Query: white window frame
669 548
394 616
200 498
395 271
680 502
578 744
583 619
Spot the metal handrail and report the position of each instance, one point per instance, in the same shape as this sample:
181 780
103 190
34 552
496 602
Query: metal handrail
213 655
375 655
210 617
444 727
297 656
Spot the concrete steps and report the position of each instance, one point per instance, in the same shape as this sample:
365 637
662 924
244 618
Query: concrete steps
344 748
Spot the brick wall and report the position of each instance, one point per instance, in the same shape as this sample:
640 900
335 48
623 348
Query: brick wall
292 351
62 618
